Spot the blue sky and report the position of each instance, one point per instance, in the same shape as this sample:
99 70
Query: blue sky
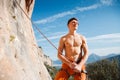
99 22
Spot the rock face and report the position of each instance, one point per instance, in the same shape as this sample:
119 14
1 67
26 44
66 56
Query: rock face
19 53
46 59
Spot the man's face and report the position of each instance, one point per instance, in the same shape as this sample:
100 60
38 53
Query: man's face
73 25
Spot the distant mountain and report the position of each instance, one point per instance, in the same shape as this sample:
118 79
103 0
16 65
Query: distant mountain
93 57
115 57
110 55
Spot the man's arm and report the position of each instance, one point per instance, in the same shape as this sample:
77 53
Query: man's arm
85 50
84 57
61 56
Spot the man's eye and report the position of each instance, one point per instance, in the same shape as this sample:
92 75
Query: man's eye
73 22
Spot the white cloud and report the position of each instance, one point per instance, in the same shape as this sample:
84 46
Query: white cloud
106 36
105 51
74 11
104 44
53 36
106 2
88 8
63 14
50 38
53 18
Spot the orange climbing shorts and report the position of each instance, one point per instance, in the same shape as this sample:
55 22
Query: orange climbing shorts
65 72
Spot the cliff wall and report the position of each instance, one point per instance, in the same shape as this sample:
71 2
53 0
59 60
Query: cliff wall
19 53
46 59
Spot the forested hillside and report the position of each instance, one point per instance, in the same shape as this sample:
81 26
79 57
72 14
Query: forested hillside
106 69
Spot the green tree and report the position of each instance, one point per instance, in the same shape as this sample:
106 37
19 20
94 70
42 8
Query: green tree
104 70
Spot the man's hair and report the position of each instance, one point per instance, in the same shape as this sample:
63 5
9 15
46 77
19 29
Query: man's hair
72 19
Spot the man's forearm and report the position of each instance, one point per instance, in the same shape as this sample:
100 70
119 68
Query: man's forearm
83 60
64 59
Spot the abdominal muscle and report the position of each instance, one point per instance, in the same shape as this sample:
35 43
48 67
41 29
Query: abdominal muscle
72 53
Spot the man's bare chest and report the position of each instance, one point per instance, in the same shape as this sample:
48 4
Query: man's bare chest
73 42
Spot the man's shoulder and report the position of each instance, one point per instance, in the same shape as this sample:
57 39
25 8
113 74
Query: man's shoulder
63 38
82 36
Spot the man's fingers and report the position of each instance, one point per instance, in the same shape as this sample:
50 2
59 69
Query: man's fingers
76 71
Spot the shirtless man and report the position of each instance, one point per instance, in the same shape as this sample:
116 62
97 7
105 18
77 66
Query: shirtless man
73 60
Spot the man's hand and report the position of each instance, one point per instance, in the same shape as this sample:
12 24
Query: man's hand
72 65
77 68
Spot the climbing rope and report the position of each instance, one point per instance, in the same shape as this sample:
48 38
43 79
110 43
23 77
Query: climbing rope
36 27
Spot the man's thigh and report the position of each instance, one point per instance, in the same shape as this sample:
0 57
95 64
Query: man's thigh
81 76
61 75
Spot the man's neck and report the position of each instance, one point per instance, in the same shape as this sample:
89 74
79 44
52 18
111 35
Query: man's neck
73 33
